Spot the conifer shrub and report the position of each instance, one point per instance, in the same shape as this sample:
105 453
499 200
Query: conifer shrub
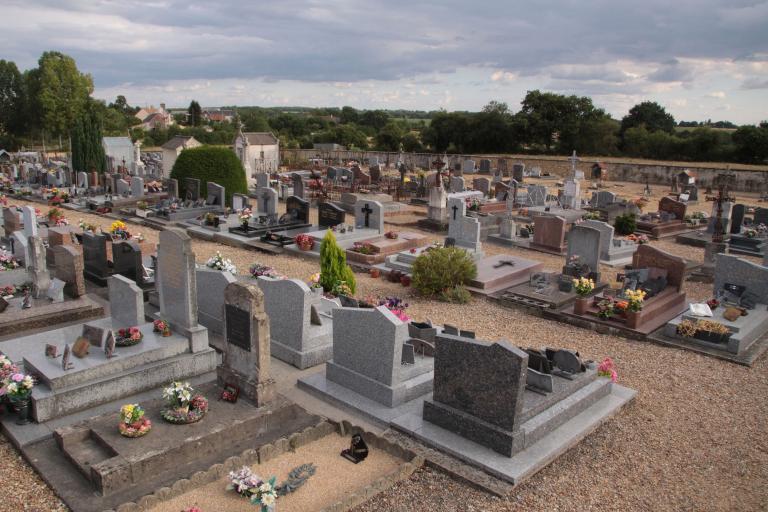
438 271
333 265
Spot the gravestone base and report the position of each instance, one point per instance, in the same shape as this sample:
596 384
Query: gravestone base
417 383
472 428
260 393
45 313
303 359
695 238
550 426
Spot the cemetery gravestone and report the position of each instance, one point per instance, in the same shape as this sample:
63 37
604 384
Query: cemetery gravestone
192 189
518 172
485 165
126 301
121 187
483 185
215 195
95 252
549 233
69 268
247 348
56 290
484 410
172 187
329 215
584 242
737 218
457 184
266 202
37 267
239 201
468 166
464 230
298 185
137 186
177 286
210 308
369 215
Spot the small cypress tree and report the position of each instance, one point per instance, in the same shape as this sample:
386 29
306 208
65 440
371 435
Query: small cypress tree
333 265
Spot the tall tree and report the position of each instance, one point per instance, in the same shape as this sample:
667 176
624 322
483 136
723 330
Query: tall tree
195 114
87 150
650 114
12 98
58 93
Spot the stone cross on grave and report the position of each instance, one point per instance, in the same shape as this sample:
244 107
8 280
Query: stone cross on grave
367 210
722 197
647 190
574 160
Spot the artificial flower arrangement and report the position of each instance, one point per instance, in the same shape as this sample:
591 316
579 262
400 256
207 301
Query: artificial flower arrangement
217 262
85 226
304 241
635 299
18 386
341 288
162 327
7 261
264 493
7 368
713 303
128 337
184 406
583 286
133 423
608 369
210 219
14 289
314 281
641 203
245 216
363 248
473 204
142 205
750 233
605 309
397 306
638 239
392 235
56 216
119 230
707 330
258 270
591 216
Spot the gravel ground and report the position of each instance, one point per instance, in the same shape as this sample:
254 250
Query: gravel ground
694 438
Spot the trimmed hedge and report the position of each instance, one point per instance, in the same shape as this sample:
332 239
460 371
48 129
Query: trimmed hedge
209 163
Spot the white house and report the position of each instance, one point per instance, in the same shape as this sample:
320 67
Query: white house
152 117
173 148
259 152
121 151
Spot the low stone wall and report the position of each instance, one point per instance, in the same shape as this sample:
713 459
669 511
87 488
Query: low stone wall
749 178
411 462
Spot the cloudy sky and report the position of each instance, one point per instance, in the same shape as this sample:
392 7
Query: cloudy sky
702 59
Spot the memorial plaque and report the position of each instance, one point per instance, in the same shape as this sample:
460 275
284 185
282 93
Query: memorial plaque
192 189
329 214
238 326
51 351
93 334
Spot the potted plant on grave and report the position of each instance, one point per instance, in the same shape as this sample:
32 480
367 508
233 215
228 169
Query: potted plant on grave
314 282
142 209
362 248
7 368
713 303
635 299
7 261
244 217
258 270
704 330
18 389
304 242
133 423
211 219
607 368
217 262
128 337
119 231
56 216
605 309
583 287
391 235
184 406
162 327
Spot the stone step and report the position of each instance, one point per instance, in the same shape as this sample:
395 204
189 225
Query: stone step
556 415
87 452
419 385
48 404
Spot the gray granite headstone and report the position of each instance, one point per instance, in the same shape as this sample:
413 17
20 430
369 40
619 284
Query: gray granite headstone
369 215
298 185
483 185
29 217
584 242
478 391
137 186
177 286
122 187
262 180
191 189
485 165
126 302
210 305
464 230
37 267
172 187
602 198
468 166
734 270
266 201
215 195
457 184
518 171
82 180
239 201
725 218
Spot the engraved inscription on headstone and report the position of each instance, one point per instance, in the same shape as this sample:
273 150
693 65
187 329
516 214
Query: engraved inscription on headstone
238 324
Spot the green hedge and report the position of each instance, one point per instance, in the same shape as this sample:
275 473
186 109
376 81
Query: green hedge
209 163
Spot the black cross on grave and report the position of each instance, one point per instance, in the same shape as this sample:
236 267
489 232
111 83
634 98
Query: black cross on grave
455 210
367 211
503 263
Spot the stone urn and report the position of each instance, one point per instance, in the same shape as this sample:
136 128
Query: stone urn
580 305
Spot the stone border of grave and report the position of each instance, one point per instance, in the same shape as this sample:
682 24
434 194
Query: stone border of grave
80 309
411 462
747 358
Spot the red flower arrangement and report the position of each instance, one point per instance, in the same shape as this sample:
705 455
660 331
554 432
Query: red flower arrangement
162 327
128 337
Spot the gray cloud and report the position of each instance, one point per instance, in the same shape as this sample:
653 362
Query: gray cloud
347 40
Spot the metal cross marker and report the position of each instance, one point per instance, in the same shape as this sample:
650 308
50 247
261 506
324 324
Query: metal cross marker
455 209
722 196
367 211
502 263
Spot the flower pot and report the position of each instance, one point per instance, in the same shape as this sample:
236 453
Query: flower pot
405 280
22 411
375 273
633 319
305 247
183 410
580 305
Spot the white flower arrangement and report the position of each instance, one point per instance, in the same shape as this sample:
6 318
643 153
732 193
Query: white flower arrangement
218 262
178 394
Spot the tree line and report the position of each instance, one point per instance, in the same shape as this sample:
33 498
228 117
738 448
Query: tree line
53 102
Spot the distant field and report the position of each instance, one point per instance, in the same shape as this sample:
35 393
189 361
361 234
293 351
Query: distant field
691 128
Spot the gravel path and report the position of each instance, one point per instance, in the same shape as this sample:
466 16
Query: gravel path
694 439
